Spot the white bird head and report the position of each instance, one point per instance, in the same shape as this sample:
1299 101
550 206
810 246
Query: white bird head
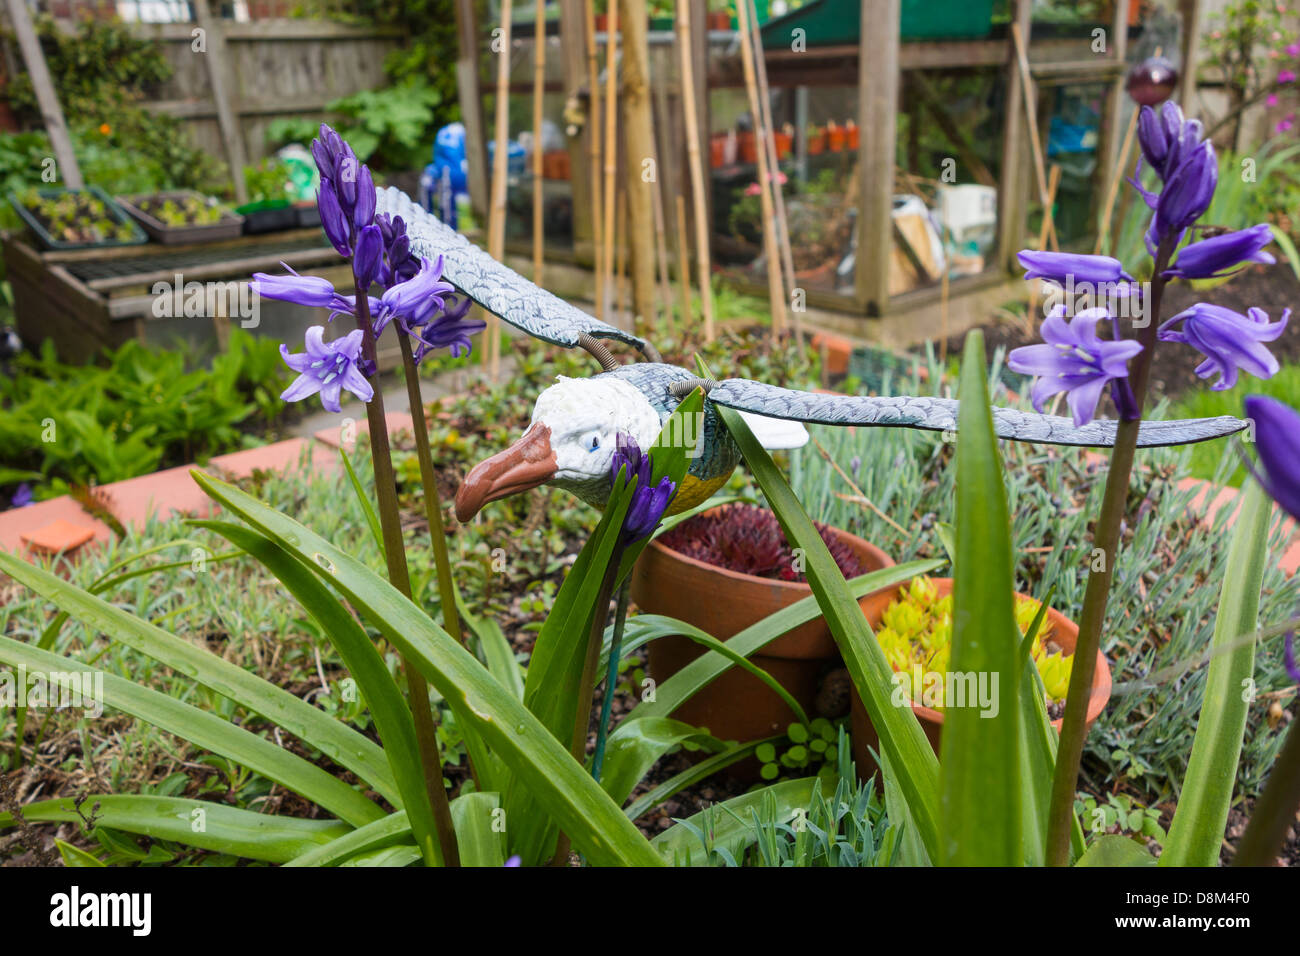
570 443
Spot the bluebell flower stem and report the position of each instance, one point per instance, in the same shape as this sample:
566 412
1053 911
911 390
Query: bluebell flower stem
390 522
611 680
1275 810
432 504
1074 726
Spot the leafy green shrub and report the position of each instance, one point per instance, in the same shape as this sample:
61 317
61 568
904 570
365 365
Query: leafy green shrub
101 72
392 129
74 424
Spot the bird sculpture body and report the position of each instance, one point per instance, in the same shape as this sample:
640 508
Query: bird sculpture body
572 437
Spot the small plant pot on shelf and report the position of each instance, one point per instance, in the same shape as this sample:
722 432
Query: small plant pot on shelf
816 142
1064 633
721 602
308 214
269 215
719 21
556 164
182 216
836 138
784 144
747 146
76 218
718 150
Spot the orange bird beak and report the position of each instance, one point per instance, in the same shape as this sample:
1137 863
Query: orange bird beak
526 464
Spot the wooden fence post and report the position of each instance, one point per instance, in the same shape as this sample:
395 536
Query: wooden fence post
46 97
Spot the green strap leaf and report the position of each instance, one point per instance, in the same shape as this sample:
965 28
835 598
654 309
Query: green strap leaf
979 777
197 823
729 825
636 745
392 829
201 729
1111 849
900 732
387 706
560 786
1196 833
339 742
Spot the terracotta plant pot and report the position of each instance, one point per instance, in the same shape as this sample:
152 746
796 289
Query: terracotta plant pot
719 21
737 706
747 146
718 150
853 138
836 137
817 143
602 22
1064 632
784 144
555 164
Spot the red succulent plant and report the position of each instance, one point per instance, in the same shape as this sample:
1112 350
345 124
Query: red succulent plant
747 539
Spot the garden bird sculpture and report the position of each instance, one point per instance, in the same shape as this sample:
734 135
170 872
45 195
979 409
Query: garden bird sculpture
575 422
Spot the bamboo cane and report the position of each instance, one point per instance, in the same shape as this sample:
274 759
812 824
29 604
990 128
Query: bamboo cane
775 289
638 147
538 91
593 150
1027 90
611 151
1054 182
697 171
621 246
1108 207
774 161
497 217
539 86
683 262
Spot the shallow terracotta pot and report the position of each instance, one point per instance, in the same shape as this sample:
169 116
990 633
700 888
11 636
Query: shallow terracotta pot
816 143
738 706
1064 632
719 21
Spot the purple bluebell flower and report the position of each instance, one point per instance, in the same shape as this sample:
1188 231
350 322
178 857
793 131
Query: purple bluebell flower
347 191
514 861
447 329
1187 193
1277 442
1071 269
649 501
1166 138
363 214
1288 656
399 264
333 221
311 291
1073 360
327 368
416 300
22 496
368 256
1228 340
1219 255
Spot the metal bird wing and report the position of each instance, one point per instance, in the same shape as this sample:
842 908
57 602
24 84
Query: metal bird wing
491 284
940 414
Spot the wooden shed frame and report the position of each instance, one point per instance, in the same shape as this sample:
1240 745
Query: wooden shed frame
875 65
